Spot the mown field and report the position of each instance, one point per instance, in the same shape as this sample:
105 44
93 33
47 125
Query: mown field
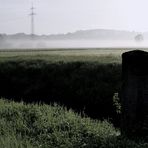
82 80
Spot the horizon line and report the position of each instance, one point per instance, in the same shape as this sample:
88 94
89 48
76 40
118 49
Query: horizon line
140 32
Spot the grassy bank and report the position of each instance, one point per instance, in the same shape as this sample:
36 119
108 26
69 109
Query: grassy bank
53 126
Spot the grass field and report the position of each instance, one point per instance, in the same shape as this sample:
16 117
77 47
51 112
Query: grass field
101 55
98 55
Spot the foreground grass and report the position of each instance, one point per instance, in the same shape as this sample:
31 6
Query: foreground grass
46 126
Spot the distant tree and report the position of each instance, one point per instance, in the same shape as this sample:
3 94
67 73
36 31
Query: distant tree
2 41
1 37
139 38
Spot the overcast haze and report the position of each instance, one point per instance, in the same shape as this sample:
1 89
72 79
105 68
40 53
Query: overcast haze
62 16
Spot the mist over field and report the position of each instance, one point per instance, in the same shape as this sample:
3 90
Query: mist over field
73 24
21 44
96 38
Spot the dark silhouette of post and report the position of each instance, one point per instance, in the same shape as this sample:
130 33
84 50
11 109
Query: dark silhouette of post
134 99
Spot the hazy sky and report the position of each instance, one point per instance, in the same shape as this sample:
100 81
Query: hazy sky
62 16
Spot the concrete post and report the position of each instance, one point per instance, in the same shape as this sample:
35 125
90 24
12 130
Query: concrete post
134 99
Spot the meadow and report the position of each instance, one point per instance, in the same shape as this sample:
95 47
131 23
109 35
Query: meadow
64 55
81 81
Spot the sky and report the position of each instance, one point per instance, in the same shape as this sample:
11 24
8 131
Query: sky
63 16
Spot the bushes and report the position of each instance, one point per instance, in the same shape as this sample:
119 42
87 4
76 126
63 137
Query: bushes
84 86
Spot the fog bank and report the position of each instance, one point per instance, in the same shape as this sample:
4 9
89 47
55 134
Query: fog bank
38 44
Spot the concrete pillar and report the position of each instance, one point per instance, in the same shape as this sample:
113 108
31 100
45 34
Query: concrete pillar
134 98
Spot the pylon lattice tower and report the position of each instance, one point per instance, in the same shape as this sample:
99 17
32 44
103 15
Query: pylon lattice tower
32 14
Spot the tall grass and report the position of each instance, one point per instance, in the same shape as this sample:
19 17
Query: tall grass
52 126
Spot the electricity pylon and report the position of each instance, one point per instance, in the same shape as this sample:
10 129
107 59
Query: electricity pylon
32 14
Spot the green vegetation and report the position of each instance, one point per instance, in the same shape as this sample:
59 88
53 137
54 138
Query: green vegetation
51 126
100 55
83 80
64 55
84 86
